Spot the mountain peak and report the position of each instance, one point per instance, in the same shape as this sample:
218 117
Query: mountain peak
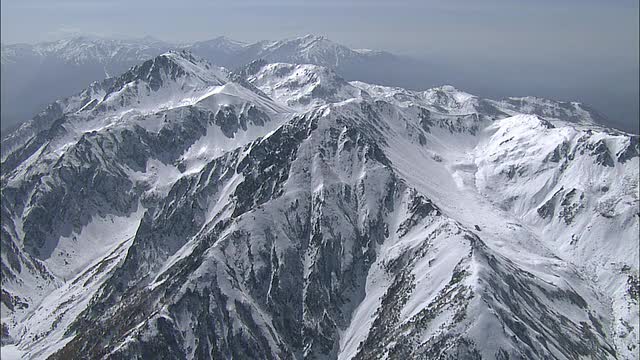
226 41
180 56
160 82
312 37
176 64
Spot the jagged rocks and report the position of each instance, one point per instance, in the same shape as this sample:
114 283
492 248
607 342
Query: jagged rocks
570 204
601 152
630 151
548 209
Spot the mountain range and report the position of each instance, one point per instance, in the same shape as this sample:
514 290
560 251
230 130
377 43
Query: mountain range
36 75
181 210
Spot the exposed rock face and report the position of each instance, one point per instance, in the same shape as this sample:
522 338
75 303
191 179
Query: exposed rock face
281 212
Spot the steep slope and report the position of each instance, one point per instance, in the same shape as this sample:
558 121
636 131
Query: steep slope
167 81
572 182
580 189
73 192
264 218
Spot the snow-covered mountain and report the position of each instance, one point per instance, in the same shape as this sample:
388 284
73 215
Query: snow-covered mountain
307 49
181 210
35 75
86 49
312 49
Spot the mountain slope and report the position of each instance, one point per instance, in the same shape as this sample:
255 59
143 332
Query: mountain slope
283 212
95 170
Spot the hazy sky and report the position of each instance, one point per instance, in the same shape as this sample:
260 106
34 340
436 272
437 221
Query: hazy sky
566 48
576 28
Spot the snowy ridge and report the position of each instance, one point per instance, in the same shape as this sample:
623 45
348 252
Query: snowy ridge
81 50
308 49
168 81
302 86
282 212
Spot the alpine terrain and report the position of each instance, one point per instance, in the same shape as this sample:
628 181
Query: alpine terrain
278 211
35 75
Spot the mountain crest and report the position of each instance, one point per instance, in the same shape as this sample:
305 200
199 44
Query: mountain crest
173 65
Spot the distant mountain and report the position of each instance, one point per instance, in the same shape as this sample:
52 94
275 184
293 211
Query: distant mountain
180 210
308 49
33 76
36 75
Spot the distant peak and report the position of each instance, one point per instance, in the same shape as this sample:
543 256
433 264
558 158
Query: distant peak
313 36
221 42
173 65
308 38
448 88
226 39
182 53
